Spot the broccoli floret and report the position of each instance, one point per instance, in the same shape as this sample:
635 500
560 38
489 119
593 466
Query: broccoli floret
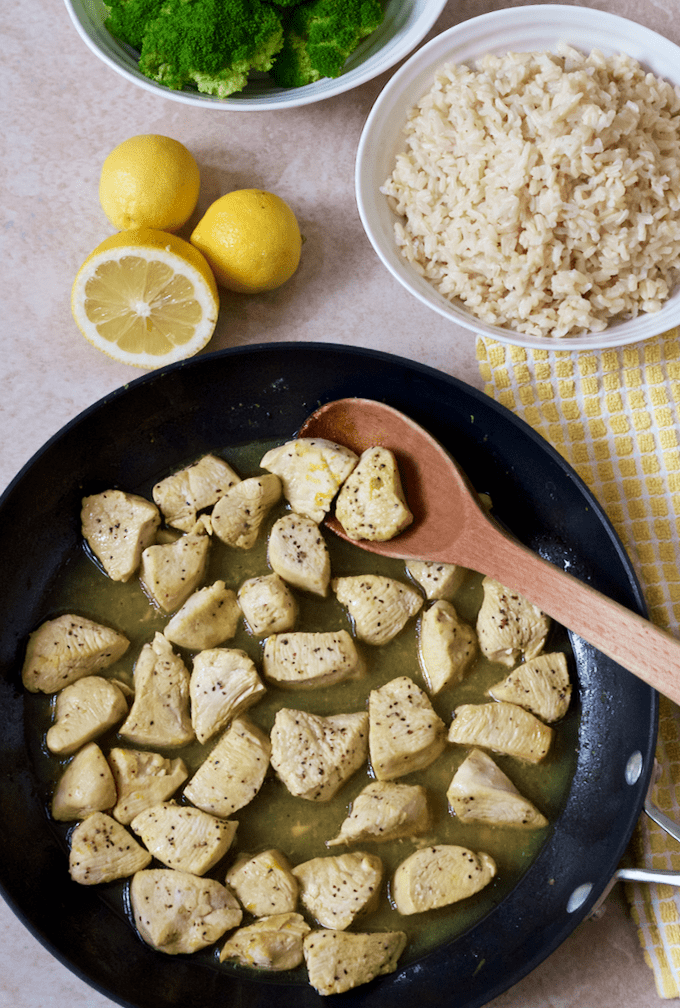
320 35
212 44
127 19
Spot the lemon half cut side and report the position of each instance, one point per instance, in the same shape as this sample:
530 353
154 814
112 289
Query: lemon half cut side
146 298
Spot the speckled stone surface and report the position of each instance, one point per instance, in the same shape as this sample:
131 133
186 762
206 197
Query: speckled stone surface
62 112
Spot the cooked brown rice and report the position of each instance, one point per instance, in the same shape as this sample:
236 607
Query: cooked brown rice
542 190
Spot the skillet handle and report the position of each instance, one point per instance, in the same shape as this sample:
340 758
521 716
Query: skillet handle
661 875
662 820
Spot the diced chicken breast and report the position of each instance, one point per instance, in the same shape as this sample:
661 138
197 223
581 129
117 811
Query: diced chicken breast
447 645
184 838
264 883
237 517
379 606
405 733
84 711
209 617
117 526
86 786
385 810
315 755
67 648
160 712
268 605
178 913
437 876
438 580
297 552
194 488
337 961
503 728
171 572
509 626
102 850
309 660
371 503
224 683
540 685
481 792
272 943
311 471
143 779
337 889
234 771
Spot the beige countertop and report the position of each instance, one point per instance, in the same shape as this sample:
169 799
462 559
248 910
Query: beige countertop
62 112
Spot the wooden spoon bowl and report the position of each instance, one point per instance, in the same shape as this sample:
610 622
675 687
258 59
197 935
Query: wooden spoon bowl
452 525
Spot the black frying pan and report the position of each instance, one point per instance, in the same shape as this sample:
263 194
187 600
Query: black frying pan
135 436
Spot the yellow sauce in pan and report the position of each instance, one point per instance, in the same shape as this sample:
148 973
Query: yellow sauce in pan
298 827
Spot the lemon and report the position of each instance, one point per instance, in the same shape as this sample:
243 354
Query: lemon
149 181
251 239
146 297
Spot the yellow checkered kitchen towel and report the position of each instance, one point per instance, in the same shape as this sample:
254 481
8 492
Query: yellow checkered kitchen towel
615 417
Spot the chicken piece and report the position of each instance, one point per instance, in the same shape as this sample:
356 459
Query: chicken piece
309 660
86 786
102 850
182 495
481 792
67 648
272 943
143 779
438 580
209 617
385 811
540 685
509 626
84 711
336 889
503 728
380 607
184 838
160 712
404 734
311 471
297 552
264 883
178 913
437 876
315 755
337 961
117 526
268 605
224 683
237 517
447 646
171 572
371 503
234 771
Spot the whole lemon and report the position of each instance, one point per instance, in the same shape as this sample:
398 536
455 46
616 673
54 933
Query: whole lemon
149 181
251 239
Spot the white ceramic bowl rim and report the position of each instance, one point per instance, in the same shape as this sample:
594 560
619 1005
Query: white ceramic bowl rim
535 27
404 27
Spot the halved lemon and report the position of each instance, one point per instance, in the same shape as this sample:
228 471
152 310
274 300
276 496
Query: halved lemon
146 298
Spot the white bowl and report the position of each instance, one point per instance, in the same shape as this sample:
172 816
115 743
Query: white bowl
405 25
520 29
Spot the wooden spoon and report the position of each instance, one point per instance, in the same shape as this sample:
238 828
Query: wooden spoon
451 525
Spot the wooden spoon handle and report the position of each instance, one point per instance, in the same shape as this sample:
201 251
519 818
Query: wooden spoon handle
631 640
